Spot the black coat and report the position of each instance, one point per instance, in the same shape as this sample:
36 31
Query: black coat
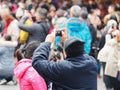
79 73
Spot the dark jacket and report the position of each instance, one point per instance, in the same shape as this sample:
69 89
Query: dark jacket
79 73
37 31
2 25
102 40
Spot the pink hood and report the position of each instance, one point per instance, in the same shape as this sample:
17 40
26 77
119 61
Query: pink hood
28 78
21 67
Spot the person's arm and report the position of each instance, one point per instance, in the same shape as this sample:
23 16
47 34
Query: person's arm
88 41
8 43
48 69
27 28
2 50
107 37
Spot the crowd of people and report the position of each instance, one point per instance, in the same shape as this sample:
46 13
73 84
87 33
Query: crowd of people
59 44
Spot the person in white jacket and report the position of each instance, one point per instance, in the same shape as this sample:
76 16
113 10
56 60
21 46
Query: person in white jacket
111 55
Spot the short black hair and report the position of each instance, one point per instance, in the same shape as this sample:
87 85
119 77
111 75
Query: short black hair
43 13
7 37
113 17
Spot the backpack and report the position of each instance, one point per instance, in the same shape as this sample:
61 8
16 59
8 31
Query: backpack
23 34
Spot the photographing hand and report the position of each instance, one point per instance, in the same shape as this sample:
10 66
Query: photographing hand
64 35
50 37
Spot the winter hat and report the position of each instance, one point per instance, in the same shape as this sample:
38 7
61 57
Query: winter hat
111 23
74 47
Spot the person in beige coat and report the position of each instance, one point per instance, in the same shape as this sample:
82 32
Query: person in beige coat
111 69
110 54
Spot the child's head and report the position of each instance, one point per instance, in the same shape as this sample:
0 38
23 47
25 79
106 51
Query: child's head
7 37
28 53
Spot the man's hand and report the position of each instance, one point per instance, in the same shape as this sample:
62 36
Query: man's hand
64 35
50 37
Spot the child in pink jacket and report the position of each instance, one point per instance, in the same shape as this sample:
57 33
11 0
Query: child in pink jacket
28 78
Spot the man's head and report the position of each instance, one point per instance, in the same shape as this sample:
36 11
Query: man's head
41 14
84 14
74 47
60 13
75 11
111 8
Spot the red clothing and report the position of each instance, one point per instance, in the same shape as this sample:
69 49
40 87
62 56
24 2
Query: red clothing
6 26
51 29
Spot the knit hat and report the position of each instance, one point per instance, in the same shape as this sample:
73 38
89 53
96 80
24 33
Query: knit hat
74 47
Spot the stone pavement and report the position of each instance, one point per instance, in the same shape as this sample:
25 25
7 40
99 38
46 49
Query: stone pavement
101 86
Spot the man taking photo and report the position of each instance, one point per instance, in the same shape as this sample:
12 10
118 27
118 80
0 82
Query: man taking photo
77 72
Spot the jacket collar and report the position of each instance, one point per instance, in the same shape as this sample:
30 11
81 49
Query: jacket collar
80 57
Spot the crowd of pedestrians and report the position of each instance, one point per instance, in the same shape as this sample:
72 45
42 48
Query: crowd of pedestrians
59 44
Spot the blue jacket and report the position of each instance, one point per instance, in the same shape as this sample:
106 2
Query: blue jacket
79 73
76 28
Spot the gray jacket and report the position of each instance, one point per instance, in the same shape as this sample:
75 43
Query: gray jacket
6 61
37 31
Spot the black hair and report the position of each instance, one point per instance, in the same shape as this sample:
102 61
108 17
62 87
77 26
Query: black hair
113 17
18 54
7 37
113 6
43 13
28 53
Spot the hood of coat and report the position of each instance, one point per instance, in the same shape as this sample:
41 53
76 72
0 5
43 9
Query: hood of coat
112 42
21 67
75 25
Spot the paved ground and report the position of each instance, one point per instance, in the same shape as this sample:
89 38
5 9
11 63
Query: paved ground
11 87
8 87
101 85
